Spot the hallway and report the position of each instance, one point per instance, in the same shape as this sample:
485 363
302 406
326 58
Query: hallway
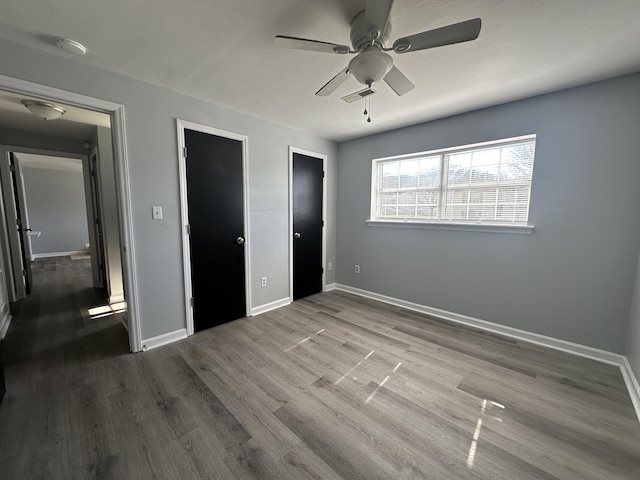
50 351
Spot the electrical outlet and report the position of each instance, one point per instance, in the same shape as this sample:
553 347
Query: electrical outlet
330 266
357 268
264 282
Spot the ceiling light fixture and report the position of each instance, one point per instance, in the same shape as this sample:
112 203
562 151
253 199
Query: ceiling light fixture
71 46
370 66
44 110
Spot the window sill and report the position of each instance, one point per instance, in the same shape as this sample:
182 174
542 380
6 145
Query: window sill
470 227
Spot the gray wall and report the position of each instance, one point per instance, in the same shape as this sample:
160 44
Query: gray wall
633 334
151 114
573 277
56 206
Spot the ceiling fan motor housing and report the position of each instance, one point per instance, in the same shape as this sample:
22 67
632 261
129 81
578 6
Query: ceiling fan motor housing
364 33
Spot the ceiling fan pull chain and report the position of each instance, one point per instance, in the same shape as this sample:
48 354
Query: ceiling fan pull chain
368 100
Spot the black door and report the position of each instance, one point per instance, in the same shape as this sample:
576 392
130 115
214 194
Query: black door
23 228
216 218
97 220
307 225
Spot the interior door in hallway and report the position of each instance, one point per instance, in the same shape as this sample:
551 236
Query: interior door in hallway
22 223
97 218
215 198
307 193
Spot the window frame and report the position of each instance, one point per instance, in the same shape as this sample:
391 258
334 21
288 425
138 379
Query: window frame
446 224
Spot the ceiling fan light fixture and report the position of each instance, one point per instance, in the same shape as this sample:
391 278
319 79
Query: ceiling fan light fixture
370 67
46 111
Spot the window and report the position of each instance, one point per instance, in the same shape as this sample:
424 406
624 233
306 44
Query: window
487 183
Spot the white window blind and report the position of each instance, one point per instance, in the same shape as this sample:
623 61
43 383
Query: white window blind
482 183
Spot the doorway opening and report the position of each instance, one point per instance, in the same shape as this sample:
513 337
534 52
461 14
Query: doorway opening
107 195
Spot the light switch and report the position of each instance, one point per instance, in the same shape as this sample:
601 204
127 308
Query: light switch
156 213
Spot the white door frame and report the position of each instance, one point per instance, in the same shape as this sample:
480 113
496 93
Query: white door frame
6 242
322 157
121 164
24 214
183 125
13 254
17 292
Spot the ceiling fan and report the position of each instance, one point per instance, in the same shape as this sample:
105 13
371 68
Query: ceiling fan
370 31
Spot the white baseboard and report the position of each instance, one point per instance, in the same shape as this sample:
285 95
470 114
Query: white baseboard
164 339
329 287
545 341
515 333
270 306
4 326
632 385
56 254
117 298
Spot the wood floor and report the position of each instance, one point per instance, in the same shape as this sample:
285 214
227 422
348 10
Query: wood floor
333 386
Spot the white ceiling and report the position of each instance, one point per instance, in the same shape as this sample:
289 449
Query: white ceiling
223 51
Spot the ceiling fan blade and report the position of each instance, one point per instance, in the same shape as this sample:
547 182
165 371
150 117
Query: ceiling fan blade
398 82
334 83
377 13
456 33
282 41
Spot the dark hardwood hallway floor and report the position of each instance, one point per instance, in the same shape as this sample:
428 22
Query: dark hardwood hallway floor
333 386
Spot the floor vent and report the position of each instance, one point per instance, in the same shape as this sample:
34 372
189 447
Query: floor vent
352 97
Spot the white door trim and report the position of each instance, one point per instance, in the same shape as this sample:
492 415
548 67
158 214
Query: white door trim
12 284
13 252
15 281
322 157
121 164
183 125
28 249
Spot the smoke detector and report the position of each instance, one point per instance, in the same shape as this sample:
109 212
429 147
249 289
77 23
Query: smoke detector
71 46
